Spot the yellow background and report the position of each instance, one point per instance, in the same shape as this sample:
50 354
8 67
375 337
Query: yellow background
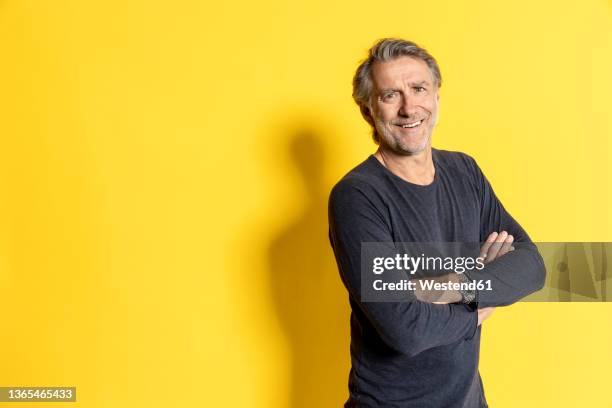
164 176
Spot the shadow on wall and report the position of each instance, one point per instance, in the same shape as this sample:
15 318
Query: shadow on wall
310 300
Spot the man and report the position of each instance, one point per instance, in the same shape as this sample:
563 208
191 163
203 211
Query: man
422 353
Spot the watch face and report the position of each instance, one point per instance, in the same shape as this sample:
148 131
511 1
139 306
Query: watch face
467 295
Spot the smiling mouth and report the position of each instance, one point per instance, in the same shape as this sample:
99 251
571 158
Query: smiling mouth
410 125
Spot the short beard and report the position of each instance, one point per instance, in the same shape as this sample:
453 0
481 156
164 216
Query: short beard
396 144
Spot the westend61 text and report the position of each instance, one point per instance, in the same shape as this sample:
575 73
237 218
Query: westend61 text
432 284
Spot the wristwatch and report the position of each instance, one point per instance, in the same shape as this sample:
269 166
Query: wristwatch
467 295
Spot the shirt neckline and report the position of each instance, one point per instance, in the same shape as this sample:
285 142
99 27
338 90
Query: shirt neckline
413 185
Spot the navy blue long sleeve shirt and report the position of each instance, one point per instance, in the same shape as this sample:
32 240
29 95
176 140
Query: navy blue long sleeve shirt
416 354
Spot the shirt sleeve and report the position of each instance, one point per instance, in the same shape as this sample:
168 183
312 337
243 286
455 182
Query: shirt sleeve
408 327
515 274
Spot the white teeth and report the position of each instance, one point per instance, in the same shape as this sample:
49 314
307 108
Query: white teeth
411 125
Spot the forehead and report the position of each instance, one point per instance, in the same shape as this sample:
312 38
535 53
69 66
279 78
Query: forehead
399 71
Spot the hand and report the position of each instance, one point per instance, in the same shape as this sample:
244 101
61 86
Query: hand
439 297
496 245
484 313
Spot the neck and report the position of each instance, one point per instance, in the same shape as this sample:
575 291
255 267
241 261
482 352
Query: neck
416 169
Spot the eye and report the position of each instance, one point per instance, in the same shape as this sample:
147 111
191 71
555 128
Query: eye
419 89
389 96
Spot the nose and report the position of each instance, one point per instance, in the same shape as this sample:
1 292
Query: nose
408 106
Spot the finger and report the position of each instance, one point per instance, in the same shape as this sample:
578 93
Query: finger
485 248
506 246
496 246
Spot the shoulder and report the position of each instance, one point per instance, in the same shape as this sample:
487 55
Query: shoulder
361 184
459 160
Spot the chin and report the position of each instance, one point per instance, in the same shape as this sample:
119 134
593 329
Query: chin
404 145
409 149
404 151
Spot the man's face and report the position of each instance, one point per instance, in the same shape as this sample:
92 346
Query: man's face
404 104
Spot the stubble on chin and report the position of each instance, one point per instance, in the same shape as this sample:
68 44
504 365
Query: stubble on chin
394 143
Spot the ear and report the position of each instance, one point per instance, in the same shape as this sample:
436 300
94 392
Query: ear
365 112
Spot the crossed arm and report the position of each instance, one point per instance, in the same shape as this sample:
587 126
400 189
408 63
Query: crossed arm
412 327
495 246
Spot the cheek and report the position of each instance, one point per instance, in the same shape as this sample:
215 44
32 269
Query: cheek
430 104
386 113
434 103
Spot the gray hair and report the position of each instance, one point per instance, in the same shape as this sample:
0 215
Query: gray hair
384 50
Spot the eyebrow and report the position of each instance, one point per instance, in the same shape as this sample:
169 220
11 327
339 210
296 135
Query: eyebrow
385 90
412 84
